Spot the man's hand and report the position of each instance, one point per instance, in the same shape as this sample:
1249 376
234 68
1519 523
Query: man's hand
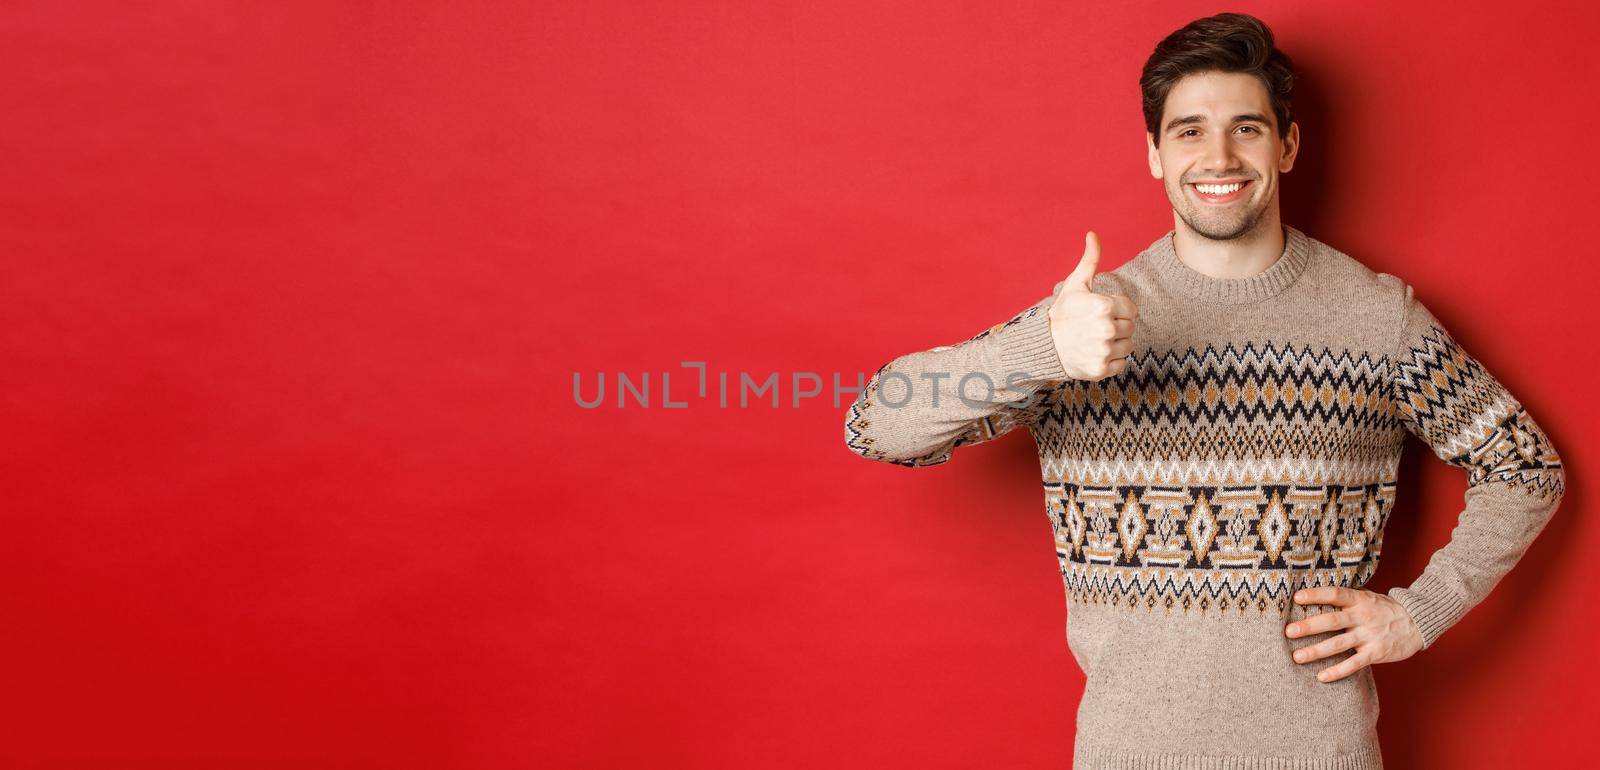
1093 333
1381 631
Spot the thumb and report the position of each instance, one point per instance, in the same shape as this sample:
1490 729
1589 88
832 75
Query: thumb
1083 274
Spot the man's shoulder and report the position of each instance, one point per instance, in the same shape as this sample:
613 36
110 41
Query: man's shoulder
1347 276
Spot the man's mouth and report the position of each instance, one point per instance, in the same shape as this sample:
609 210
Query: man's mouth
1220 192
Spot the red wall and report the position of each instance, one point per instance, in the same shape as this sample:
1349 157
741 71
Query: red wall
293 296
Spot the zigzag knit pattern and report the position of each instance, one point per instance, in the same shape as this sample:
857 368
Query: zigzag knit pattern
1471 420
1157 481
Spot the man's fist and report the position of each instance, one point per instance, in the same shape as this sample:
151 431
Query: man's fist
1093 332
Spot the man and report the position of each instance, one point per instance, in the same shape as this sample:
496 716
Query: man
1219 423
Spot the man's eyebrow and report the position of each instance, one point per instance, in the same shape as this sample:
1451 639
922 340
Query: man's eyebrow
1191 119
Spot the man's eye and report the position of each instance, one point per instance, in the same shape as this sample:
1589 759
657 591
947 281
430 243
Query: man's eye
1187 132
1252 128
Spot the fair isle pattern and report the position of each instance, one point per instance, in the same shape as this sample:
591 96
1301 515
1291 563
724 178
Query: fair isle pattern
1215 547
1471 421
1167 487
859 417
1237 384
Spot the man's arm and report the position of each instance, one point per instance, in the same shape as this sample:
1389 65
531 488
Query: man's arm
911 412
1515 480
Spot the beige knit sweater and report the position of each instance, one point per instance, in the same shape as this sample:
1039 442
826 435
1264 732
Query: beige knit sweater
1251 449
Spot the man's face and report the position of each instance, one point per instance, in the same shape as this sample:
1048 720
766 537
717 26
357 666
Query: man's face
1218 128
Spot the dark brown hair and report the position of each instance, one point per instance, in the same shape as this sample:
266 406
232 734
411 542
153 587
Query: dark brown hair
1226 42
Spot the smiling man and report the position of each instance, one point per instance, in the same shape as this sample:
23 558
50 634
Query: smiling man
1219 424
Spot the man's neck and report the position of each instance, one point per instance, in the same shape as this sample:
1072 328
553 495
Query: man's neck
1241 257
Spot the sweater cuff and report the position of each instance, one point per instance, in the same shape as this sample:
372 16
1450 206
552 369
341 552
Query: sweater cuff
1026 346
1431 604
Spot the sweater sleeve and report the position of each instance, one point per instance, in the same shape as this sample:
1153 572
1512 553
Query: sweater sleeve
1515 480
917 408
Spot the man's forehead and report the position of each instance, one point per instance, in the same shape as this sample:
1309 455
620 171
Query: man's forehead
1216 97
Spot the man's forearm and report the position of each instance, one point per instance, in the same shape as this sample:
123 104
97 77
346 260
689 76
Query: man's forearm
919 407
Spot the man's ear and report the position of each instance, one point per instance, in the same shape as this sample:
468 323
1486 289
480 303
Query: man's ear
1291 148
1155 155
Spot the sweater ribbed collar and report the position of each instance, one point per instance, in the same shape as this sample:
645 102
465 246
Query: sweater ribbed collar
1193 284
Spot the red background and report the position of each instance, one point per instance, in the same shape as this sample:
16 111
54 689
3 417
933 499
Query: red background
294 293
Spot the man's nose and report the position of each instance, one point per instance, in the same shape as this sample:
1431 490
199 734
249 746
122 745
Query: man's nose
1219 155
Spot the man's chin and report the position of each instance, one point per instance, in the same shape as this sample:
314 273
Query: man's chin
1223 234
1230 229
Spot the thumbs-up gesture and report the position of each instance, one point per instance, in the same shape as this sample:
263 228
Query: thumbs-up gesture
1093 332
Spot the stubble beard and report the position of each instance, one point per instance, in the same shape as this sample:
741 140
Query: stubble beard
1219 226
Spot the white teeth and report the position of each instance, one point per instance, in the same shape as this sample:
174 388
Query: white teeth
1219 189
